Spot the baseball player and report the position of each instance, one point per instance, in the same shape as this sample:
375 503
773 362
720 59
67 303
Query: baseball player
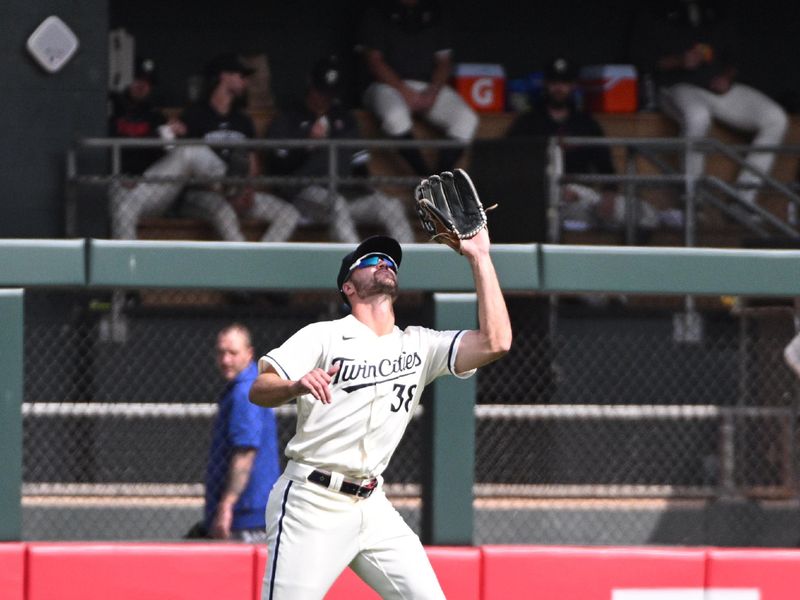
357 381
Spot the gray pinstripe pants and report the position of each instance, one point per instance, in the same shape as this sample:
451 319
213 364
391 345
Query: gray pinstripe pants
375 208
212 206
130 203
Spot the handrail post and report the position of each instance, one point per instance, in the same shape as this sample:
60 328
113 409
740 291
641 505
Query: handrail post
632 208
333 184
690 190
70 193
116 159
555 170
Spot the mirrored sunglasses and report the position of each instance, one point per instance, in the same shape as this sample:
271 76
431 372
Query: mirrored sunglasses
372 260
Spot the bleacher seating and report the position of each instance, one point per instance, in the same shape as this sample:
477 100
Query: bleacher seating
716 230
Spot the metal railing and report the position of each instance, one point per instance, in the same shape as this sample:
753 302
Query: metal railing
695 189
116 146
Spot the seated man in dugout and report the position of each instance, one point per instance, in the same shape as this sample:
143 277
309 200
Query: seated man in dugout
217 118
582 206
320 115
691 48
134 116
407 49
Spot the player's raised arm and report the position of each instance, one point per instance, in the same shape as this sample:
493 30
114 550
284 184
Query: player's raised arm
451 212
492 339
271 390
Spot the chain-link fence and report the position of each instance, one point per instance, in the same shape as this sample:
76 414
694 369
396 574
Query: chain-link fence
611 421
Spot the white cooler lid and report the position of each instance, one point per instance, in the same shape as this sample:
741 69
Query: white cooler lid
479 70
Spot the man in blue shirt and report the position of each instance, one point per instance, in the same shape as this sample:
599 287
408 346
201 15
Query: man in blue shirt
243 460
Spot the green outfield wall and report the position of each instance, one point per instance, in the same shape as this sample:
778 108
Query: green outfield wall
540 268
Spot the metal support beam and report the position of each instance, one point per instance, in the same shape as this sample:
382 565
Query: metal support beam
11 324
447 513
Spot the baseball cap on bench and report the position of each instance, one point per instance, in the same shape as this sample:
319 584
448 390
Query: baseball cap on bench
377 243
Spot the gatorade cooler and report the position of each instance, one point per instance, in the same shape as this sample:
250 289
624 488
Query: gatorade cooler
610 88
483 86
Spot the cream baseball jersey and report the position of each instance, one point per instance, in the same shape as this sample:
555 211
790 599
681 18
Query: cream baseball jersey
373 394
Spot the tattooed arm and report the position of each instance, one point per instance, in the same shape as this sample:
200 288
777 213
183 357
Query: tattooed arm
238 476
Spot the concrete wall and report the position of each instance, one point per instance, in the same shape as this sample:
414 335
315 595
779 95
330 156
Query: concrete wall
43 113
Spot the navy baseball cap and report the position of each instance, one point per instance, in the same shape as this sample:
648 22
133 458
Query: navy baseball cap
145 68
378 243
560 69
326 75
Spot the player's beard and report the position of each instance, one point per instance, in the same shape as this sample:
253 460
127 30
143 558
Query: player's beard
379 284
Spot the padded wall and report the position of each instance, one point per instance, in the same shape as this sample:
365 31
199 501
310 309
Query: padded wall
12 571
511 572
458 570
200 571
75 571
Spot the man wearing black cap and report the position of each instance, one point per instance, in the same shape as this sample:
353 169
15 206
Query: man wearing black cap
556 115
694 51
320 116
218 118
357 382
134 116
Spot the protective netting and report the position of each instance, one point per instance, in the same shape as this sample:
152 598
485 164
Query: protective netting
607 422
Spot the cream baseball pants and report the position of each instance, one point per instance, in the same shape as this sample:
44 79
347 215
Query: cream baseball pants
314 533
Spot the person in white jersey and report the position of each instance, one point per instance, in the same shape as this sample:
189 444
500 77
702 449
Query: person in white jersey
357 382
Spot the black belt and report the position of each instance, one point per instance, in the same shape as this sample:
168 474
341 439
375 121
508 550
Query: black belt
362 491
